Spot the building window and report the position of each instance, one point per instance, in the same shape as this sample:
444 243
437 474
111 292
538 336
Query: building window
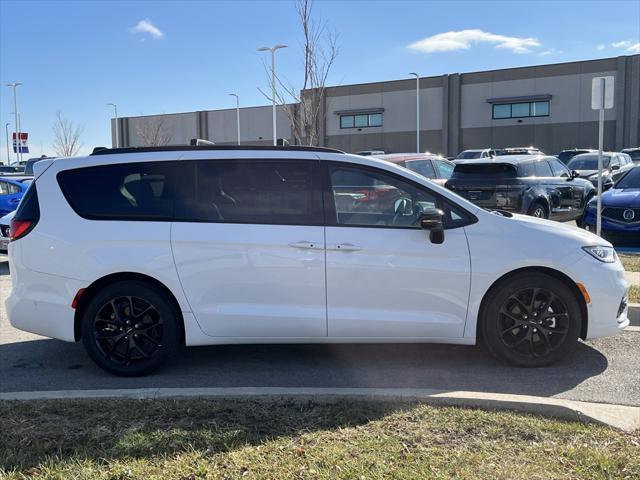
363 120
520 110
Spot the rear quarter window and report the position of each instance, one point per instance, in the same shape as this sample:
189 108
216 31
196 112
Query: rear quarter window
135 191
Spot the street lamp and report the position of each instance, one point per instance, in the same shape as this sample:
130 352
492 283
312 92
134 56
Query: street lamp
273 82
6 132
15 86
417 110
237 113
115 108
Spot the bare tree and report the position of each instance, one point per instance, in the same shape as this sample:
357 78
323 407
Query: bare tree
66 136
319 45
153 133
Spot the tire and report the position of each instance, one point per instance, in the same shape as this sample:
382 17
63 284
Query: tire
538 210
523 332
135 348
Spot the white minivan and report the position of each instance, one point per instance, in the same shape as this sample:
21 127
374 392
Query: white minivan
135 251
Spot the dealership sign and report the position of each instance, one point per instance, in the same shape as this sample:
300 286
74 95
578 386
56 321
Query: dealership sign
21 145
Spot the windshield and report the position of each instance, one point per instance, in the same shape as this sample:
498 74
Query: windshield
630 180
588 162
468 154
484 169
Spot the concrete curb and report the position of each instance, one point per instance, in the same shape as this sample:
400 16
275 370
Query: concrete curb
621 417
634 313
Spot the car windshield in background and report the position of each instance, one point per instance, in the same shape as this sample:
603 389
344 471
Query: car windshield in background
630 180
634 154
588 162
423 167
484 169
468 155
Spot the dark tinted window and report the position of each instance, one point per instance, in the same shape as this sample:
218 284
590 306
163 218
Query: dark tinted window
588 161
133 191
526 170
279 192
469 154
29 208
484 169
630 180
559 169
423 167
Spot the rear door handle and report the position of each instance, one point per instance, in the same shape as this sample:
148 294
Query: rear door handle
305 245
345 247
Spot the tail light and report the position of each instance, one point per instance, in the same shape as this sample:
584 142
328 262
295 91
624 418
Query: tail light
27 215
19 228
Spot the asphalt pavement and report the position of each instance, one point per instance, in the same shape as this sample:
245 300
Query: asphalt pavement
604 370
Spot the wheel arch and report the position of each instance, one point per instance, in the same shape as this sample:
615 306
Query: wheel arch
102 282
545 270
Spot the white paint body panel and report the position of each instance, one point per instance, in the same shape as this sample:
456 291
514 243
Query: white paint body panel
246 284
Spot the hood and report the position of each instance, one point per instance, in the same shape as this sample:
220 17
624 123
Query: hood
566 231
622 197
588 173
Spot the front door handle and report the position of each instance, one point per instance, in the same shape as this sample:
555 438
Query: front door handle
345 247
305 245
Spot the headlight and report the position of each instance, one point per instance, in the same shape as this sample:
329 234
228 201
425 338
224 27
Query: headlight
604 254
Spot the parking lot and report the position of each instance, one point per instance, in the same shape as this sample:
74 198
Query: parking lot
603 370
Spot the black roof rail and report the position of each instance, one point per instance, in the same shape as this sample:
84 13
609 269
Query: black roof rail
191 148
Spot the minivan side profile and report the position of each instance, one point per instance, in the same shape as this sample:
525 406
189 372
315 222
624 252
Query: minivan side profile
136 251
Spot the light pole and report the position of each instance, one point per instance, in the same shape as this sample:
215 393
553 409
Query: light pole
6 132
15 86
273 82
237 113
115 108
417 111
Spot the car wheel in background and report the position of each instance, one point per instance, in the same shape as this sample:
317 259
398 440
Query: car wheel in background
538 210
129 328
532 320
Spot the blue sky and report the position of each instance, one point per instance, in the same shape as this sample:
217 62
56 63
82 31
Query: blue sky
78 56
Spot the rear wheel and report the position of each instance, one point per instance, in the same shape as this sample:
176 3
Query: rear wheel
129 328
532 320
538 210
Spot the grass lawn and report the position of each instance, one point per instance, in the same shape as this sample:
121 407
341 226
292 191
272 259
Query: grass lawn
631 262
634 294
197 439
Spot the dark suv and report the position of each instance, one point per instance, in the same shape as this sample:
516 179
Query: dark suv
536 185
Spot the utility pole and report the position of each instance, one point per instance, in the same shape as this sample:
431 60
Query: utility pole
417 111
273 84
237 113
15 86
115 107
6 131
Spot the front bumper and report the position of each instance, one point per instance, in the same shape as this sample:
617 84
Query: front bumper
617 232
607 287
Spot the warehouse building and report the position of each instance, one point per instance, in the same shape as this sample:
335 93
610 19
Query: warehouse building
548 106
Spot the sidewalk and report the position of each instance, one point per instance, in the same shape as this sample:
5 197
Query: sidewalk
633 278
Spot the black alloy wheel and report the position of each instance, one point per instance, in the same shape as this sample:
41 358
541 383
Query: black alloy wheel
130 328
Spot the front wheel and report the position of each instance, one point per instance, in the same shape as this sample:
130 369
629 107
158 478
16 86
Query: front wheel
538 210
129 328
532 320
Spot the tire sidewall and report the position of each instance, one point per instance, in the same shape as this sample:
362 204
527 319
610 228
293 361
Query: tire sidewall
498 296
534 206
148 293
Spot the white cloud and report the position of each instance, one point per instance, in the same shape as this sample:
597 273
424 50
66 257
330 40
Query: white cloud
551 51
628 46
145 26
463 39
600 47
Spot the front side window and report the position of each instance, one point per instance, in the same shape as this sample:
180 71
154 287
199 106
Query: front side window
134 191
542 169
445 169
277 192
526 170
559 169
423 167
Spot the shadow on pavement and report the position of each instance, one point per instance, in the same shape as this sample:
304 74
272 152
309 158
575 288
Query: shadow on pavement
55 365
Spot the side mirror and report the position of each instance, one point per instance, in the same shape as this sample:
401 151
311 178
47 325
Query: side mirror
615 167
431 220
574 174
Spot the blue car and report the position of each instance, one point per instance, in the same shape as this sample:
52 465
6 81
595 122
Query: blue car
11 191
620 211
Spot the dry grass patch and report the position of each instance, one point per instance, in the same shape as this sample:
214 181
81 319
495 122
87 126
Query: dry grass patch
197 439
631 262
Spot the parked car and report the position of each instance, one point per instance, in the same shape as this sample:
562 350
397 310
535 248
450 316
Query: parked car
518 151
433 167
4 232
366 153
11 191
614 166
10 169
566 155
160 246
535 185
620 211
634 153
28 168
475 153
